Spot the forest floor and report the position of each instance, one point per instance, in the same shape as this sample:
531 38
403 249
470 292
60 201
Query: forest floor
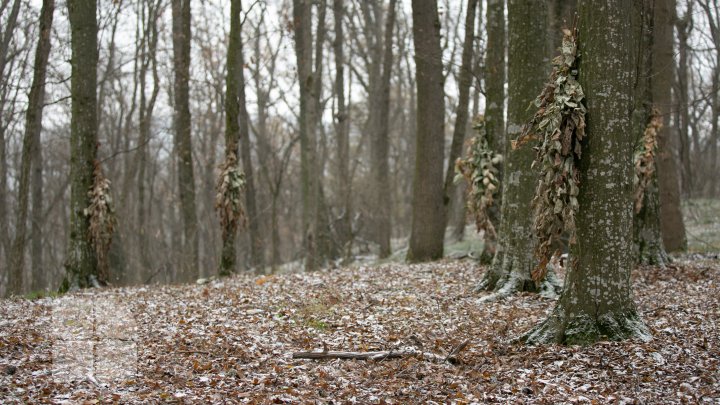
232 340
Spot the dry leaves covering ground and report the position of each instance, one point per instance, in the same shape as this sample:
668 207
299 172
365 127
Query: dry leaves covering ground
232 340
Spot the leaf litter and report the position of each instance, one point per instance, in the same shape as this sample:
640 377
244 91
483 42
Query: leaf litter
232 340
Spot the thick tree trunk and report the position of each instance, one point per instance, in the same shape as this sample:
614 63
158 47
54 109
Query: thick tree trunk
596 302
514 260
33 127
81 264
181 34
428 222
671 221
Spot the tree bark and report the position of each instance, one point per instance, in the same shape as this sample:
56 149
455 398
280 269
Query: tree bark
514 260
596 302
463 106
181 35
81 264
344 185
647 236
428 213
684 27
495 109
31 139
302 19
671 221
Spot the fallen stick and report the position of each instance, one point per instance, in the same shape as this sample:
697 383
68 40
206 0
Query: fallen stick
381 355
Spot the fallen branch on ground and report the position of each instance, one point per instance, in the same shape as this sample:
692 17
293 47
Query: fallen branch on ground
385 354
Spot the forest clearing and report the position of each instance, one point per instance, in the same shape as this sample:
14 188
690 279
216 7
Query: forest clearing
232 341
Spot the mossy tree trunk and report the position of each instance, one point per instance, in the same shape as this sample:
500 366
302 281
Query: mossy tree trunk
596 303
81 264
527 67
428 213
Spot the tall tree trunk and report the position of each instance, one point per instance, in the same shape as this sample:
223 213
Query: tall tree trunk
682 122
527 61
671 221
183 140
428 214
33 127
342 129
461 118
81 263
596 302
646 222
147 107
381 144
495 70
302 17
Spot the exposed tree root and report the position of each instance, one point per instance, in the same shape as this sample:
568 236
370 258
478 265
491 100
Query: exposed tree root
584 329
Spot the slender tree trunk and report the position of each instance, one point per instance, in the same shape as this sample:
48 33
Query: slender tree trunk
381 143
33 127
309 85
81 264
461 119
183 139
514 260
344 184
428 213
646 224
596 302
671 221
495 111
684 28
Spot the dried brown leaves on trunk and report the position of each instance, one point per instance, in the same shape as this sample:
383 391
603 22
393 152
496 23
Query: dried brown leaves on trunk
101 215
645 158
479 169
559 124
228 201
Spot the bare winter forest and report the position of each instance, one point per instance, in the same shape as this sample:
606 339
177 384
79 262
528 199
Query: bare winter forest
381 201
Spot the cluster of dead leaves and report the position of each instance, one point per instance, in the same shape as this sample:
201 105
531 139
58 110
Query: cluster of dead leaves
101 215
232 339
228 201
559 125
480 170
645 158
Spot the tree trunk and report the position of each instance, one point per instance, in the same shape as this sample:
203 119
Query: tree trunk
380 144
81 264
514 260
181 35
302 17
461 119
428 222
33 127
342 129
684 28
596 302
495 110
647 237
671 221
